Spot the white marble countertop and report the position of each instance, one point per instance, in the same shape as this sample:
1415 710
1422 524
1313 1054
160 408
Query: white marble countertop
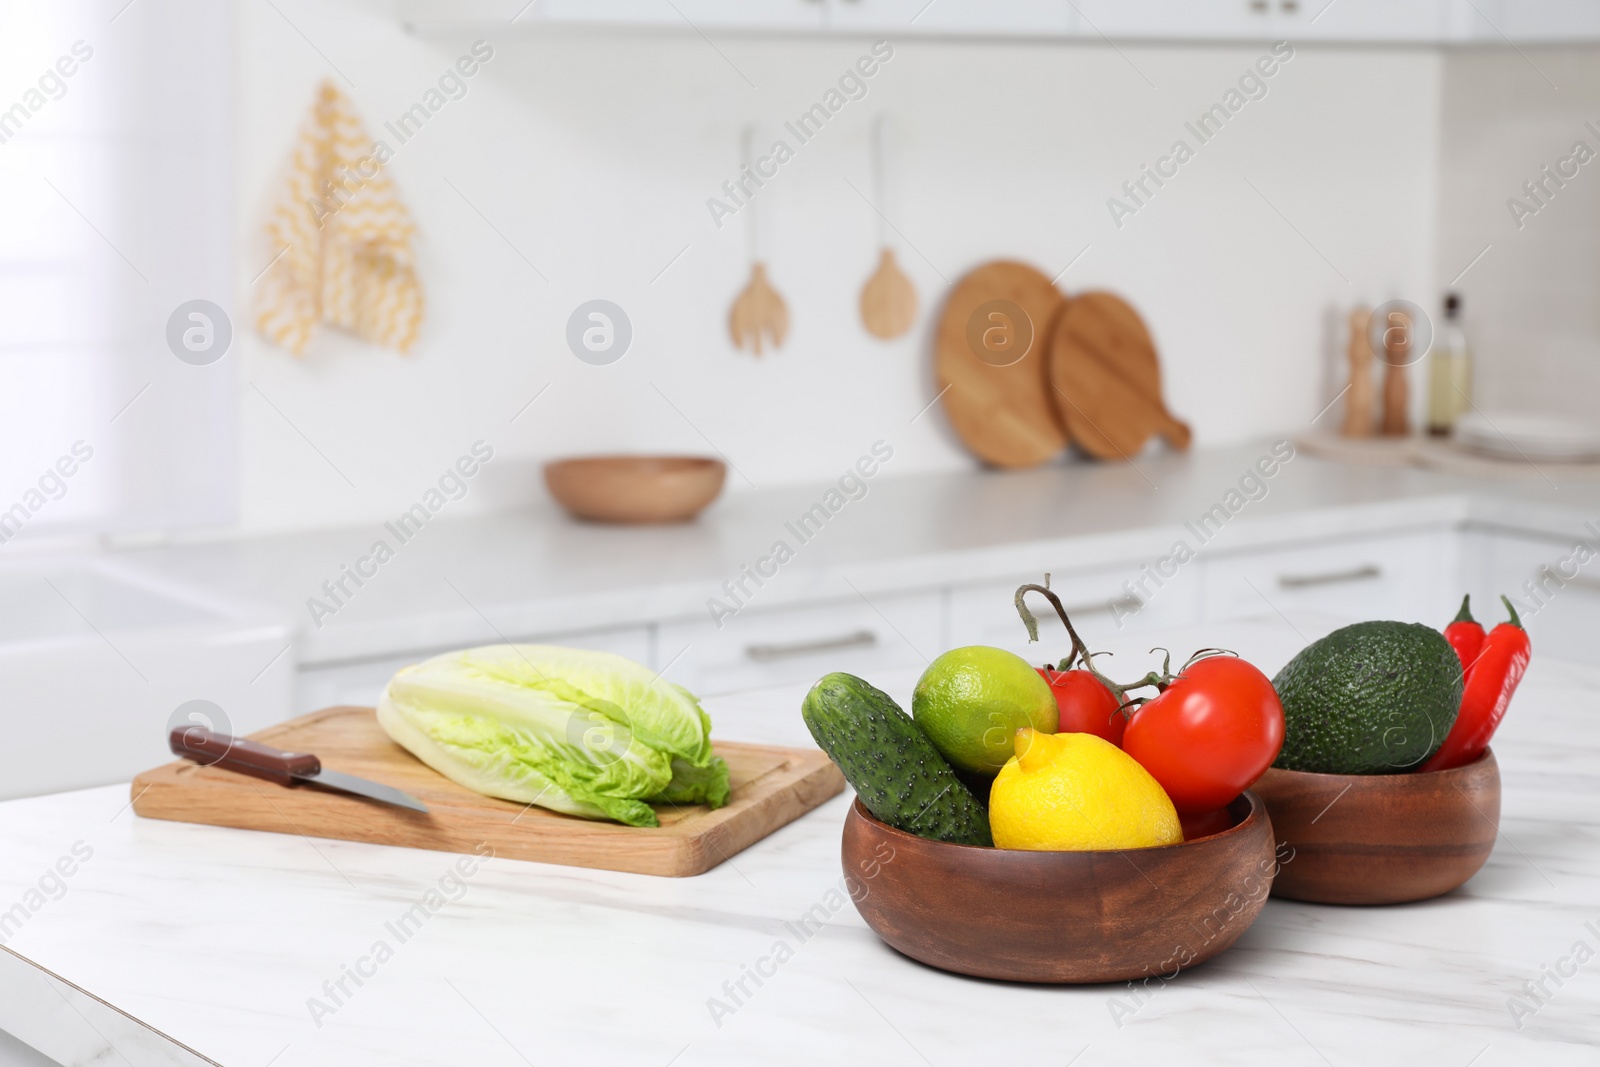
218 939
540 572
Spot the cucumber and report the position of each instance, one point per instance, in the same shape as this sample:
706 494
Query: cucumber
891 764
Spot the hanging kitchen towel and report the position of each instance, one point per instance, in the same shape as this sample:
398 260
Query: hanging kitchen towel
345 237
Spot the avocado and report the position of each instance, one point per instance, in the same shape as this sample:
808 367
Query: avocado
1373 698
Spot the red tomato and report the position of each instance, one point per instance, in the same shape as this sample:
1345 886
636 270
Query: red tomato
1210 735
1087 706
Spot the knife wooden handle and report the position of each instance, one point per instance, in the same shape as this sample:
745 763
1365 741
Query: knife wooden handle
210 749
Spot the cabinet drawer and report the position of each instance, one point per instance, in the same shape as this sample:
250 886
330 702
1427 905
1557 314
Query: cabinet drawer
1427 21
757 648
1101 604
977 18
1184 19
1558 599
362 682
1410 577
439 16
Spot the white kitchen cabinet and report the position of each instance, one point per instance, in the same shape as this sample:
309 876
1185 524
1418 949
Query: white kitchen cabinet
744 14
1103 611
1412 577
484 16
1399 21
488 15
953 17
1532 21
1420 21
800 644
1428 22
362 682
1185 19
600 12
1557 597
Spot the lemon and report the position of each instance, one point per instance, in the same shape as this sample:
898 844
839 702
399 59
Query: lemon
971 702
1076 792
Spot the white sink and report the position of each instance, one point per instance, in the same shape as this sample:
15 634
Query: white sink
96 658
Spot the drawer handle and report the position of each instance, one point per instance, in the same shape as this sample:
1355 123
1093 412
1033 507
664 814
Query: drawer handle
1304 581
1125 604
768 653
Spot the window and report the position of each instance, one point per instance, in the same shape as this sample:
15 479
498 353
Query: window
116 207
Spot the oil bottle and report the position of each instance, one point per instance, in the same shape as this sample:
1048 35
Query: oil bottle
1449 372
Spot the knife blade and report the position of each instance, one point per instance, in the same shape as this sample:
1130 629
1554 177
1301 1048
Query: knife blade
211 749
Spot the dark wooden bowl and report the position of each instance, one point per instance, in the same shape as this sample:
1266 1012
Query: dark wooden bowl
1060 916
635 489
1381 838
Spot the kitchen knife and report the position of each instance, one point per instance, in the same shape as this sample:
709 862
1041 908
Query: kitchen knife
211 749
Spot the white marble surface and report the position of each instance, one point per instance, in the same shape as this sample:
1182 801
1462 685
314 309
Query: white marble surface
540 572
217 938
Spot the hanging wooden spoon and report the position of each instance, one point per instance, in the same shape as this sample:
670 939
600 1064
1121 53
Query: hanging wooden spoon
888 300
758 310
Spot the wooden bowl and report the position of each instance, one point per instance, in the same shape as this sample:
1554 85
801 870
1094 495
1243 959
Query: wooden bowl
1060 916
635 489
1381 838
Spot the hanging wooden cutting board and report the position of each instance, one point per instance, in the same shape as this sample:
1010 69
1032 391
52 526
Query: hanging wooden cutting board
771 787
1105 379
997 401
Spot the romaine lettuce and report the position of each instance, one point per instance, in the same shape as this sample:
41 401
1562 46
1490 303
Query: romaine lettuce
585 733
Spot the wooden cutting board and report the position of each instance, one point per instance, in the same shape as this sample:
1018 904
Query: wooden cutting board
1105 379
771 787
990 359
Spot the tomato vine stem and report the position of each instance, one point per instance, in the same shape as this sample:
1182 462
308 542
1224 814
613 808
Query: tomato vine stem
1080 651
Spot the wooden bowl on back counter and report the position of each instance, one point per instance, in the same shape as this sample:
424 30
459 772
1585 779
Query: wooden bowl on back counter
1061 917
635 489
1381 838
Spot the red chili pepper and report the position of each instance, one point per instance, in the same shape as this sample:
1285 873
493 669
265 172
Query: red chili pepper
1466 636
1494 678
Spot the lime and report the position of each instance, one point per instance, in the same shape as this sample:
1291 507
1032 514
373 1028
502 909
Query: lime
971 702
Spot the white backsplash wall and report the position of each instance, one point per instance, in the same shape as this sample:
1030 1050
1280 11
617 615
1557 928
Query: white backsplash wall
591 158
1533 301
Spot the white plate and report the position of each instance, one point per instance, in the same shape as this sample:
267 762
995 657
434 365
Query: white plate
1525 434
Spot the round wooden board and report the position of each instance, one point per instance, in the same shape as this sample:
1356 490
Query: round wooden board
997 402
1106 380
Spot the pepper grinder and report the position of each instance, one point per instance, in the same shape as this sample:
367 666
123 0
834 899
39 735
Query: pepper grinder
1358 406
1396 389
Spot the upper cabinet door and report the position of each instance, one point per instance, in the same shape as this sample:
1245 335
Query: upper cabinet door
972 18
